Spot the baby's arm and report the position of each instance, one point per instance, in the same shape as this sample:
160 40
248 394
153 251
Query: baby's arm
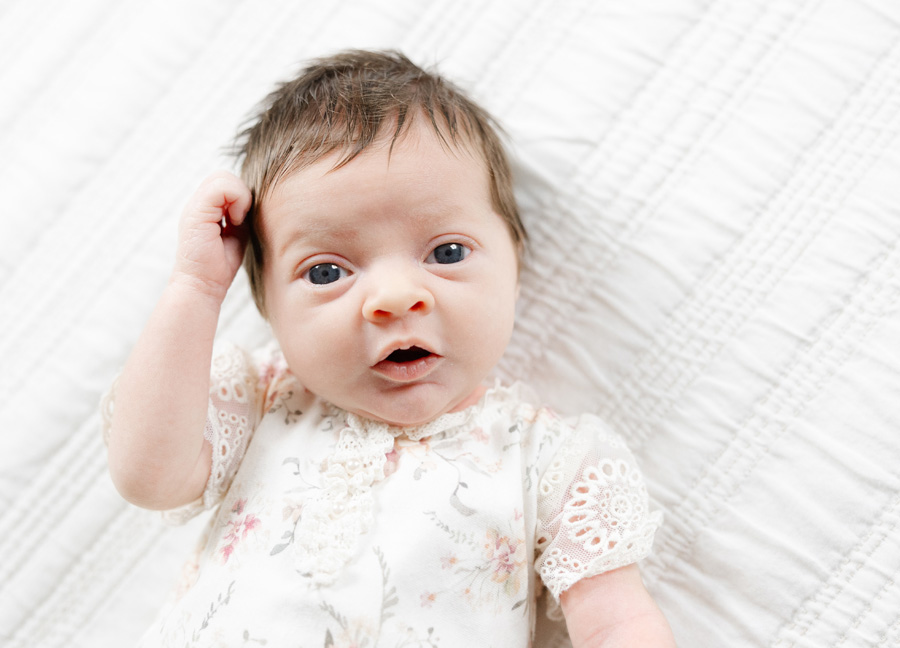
158 457
614 610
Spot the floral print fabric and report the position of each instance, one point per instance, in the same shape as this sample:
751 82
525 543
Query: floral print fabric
333 530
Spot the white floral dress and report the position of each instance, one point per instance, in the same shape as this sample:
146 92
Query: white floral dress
333 530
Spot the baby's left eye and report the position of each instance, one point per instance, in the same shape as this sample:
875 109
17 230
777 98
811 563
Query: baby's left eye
448 253
325 273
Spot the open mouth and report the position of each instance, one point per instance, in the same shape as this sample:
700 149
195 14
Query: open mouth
408 355
405 365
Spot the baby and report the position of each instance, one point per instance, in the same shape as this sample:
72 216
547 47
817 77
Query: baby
369 487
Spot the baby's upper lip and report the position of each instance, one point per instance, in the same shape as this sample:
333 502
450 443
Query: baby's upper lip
388 349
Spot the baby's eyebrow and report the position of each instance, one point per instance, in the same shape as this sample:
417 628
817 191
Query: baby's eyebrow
319 233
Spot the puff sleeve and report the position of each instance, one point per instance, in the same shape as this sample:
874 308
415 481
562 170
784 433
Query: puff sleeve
593 508
239 384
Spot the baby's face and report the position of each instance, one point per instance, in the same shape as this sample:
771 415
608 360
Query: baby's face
390 284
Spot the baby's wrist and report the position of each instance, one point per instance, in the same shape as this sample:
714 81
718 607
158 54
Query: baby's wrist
197 289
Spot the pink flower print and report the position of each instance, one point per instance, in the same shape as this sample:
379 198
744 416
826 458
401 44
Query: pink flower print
266 375
189 573
417 447
391 460
354 633
237 528
271 370
479 435
428 599
292 511
420 450
449 561
507 559
274 378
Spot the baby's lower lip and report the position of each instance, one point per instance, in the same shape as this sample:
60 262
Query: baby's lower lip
407 371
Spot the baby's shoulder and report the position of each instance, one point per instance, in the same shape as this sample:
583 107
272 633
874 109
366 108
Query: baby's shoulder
521 405
516 408
551 433
258 378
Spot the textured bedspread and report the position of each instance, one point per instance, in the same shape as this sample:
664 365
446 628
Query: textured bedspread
713 193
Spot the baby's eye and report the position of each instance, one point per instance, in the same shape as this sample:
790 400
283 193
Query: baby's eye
448 253
324 273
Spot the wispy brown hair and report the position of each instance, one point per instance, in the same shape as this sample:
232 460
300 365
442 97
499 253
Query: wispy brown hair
344 103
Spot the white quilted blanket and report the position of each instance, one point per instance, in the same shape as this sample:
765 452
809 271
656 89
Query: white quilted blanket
713 193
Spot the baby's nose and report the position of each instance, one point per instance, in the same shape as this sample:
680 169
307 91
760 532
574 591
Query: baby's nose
396 293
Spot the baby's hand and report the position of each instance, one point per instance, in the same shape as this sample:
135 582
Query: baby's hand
211 238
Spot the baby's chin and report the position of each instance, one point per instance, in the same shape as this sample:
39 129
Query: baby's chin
412 410
400 419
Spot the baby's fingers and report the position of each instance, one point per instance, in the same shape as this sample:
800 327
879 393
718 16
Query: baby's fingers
211 236
221 195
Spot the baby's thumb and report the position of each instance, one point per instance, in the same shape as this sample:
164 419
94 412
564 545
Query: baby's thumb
239 205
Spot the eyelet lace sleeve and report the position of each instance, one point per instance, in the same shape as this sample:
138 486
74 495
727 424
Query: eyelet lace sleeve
593 509
241 388
238 388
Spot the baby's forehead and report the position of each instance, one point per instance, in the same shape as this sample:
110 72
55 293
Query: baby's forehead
427 144
420 178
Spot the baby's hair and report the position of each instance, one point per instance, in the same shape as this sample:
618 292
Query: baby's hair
343 103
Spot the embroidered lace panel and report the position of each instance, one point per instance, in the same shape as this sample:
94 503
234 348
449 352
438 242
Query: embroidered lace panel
594 514
337 516
231 417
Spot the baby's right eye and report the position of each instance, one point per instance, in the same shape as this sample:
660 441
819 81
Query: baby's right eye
324 273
